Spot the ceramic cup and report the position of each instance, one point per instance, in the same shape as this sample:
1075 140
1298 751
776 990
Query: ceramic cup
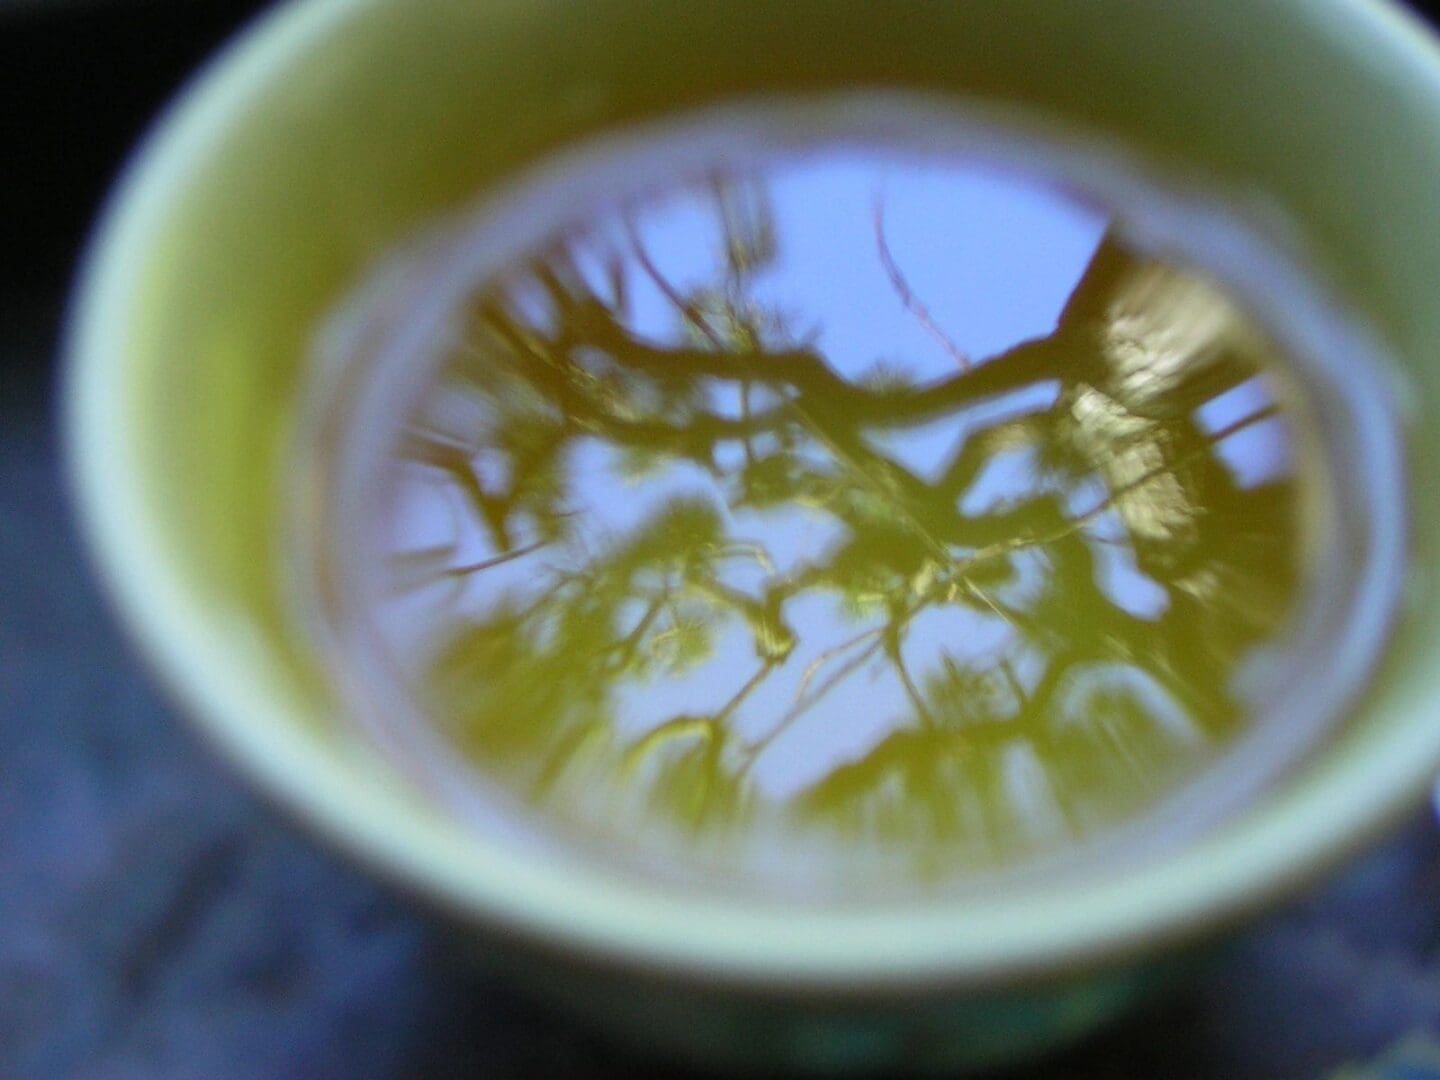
336 128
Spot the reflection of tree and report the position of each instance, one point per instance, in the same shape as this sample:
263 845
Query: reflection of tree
551 356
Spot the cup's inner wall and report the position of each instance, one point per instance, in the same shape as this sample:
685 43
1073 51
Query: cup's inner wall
333 132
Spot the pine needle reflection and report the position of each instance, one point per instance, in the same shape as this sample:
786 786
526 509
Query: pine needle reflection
701 571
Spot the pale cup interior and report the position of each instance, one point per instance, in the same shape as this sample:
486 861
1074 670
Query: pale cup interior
335 129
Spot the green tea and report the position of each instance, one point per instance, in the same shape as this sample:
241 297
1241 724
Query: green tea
830 519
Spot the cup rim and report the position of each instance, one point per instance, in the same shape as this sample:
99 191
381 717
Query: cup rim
216 670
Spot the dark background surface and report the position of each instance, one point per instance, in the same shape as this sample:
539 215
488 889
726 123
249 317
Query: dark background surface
156 920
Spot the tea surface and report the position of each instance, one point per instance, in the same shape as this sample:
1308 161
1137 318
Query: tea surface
852 517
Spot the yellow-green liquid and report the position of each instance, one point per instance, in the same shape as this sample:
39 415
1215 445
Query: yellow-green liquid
846 518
